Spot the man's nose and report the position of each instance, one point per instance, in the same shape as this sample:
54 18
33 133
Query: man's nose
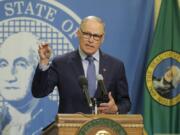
91 38
11 75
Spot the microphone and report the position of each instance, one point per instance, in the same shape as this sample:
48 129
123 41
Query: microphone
84 85
104 95
101 84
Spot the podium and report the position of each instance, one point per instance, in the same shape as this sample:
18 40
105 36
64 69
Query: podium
72 124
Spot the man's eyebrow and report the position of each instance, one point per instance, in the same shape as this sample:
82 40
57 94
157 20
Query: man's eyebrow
21 59
3 60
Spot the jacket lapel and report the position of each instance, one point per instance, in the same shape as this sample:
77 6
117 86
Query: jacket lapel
103 67
76 64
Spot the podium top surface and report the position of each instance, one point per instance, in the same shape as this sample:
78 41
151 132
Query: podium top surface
121 118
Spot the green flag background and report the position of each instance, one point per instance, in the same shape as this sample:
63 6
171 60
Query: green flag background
162 87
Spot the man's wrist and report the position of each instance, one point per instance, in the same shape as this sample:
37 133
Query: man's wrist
44 61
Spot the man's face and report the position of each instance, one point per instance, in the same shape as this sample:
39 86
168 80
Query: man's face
90 45
15 72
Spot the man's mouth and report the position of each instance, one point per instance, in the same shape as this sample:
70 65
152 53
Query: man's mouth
11 87
88 45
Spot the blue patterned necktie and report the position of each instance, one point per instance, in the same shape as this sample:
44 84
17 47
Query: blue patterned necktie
91 76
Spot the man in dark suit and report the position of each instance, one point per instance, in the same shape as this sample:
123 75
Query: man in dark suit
65 70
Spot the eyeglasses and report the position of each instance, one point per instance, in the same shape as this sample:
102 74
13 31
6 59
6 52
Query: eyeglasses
88 35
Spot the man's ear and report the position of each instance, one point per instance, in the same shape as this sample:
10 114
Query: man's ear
78 33
102 39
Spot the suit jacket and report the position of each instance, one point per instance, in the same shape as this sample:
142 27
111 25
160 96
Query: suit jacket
64 72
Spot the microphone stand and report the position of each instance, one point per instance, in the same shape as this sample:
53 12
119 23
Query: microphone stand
94 107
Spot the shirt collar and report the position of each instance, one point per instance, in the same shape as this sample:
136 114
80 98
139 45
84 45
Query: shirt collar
83 55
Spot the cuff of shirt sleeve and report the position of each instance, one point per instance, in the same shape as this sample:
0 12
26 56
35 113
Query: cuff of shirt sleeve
43 67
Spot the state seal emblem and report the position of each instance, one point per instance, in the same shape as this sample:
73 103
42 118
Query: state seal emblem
24 25
101 126
163 78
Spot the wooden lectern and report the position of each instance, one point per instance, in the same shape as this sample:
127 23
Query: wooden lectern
70 124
